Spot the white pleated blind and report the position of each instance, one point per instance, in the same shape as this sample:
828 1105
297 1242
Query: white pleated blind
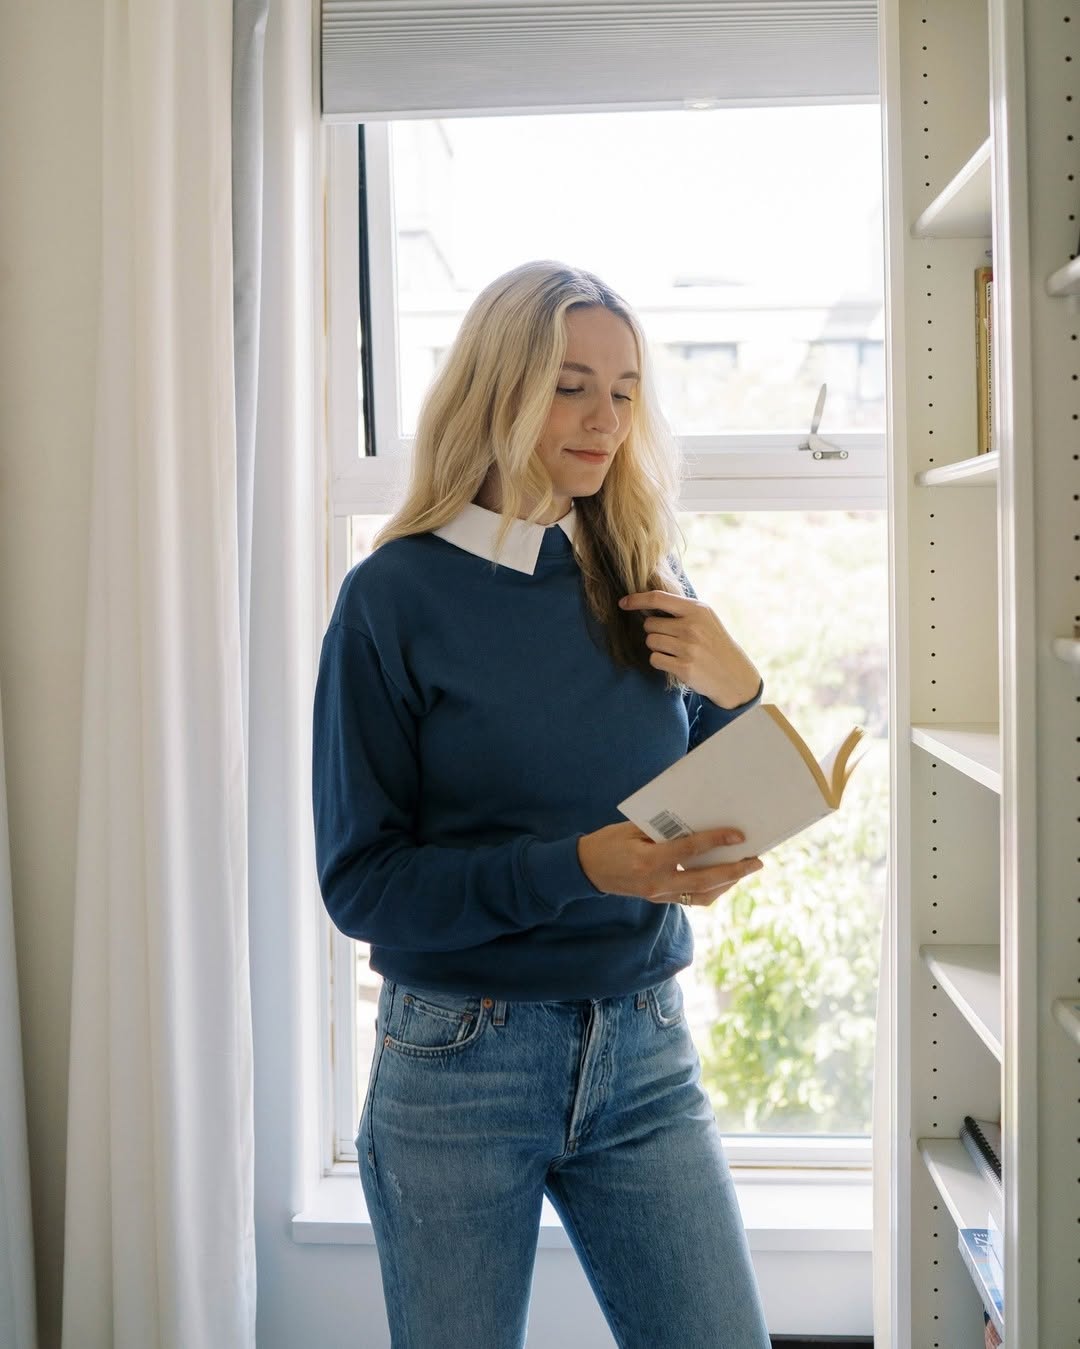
396 58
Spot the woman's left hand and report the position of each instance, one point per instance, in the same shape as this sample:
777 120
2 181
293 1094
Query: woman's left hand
687 639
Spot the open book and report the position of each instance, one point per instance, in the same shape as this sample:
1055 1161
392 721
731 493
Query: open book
757 774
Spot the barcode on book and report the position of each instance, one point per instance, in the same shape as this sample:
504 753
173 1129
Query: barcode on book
669 824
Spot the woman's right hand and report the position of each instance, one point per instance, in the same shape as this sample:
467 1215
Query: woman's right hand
621 860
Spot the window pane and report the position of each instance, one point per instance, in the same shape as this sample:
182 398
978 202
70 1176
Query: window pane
782 993
748 239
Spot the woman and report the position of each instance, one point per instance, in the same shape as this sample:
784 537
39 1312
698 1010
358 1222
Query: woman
516 656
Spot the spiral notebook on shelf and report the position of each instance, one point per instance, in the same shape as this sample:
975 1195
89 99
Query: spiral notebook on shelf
982 1139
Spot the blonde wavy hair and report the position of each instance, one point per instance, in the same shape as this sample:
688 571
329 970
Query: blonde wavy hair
487 407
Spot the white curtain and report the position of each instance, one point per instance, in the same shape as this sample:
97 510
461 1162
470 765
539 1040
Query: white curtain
159 1242
248 70
18 1318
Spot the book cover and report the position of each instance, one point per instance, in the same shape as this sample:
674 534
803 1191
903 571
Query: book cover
974 1242
990 364
757 774
996 1247
984 280
982 1139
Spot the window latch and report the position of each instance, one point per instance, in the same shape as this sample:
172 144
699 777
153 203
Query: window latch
815 444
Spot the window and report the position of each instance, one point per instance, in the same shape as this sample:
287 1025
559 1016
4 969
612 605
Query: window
755 261
785 974
748 239
727 284
656 203
781 995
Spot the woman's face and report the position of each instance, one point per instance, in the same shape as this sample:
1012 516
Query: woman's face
592 407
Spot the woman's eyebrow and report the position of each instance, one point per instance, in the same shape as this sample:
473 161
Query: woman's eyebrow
588 370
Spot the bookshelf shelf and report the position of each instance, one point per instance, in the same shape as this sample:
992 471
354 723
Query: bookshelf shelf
1067 649
967 1196
962 209
981 470
971 976
974 750
1067 1011
1066 280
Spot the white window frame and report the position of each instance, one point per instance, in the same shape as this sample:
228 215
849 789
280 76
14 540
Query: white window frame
751 471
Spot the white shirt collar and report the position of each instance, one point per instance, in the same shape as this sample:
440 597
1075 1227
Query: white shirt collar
474 529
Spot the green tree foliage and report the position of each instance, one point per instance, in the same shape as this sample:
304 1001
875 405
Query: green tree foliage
789 958
794 967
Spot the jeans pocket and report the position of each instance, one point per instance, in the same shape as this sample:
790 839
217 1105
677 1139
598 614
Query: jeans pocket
666 1003
426 1024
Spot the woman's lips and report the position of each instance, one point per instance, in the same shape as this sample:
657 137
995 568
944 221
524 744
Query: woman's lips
590 456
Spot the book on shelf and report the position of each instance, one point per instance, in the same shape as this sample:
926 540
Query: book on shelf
974 1243
984 371
996 1247
991 1339
757 774
982 1139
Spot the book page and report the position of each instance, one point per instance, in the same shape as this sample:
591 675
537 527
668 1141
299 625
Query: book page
839 764
751 776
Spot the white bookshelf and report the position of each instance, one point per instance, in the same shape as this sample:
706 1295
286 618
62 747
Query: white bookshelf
961 210
972 750
980 470
982 140
1067 649
971 976
968 1197
1066 280
1067 1012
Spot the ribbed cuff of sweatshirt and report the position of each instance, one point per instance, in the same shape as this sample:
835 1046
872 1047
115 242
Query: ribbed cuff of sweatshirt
556 874
711 717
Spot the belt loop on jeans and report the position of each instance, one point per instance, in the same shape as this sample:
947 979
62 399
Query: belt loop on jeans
641 1001
499 1016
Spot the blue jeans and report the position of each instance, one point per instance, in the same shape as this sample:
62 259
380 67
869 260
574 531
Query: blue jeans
476 1108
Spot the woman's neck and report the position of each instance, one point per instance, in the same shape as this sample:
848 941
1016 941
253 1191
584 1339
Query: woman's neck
490 497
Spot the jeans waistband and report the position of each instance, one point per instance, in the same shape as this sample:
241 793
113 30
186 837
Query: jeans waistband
500 1007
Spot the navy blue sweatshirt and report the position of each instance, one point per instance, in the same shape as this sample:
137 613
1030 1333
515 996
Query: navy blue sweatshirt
469 727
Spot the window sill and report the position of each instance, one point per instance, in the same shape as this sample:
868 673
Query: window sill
783 1210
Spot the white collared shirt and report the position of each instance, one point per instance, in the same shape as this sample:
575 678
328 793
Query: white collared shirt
476 528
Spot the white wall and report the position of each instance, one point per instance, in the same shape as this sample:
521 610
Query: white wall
50 205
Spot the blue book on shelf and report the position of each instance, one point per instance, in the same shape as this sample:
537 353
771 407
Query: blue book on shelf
975 1248
996 1238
